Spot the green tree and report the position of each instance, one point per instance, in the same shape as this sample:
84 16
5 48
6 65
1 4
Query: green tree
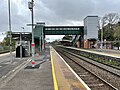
117 35
7 40
117 32
108 22
108 33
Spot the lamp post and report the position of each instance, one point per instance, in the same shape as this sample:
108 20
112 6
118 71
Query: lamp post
10 31
21 45
118 37
30 6
102 37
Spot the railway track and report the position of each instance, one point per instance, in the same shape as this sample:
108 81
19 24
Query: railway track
95 77
106 59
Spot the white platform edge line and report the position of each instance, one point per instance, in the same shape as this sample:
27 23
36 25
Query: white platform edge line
95 52
6 54
74 73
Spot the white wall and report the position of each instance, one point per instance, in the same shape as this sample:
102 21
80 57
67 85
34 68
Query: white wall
91 27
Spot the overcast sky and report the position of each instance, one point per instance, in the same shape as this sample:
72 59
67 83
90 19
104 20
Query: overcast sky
53 12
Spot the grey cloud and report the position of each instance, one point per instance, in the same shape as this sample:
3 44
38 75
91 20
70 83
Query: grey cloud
20 15
106 6
57 12
64 10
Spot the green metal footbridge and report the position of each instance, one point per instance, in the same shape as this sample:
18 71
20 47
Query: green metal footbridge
41 30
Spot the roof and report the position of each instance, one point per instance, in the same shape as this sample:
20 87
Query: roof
64 26
25 35
91 16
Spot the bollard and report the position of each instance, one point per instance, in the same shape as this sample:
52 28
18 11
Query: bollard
33 64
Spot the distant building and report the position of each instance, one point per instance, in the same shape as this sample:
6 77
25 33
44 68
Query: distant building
90 31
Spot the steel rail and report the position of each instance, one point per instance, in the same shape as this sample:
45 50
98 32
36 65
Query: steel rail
87 69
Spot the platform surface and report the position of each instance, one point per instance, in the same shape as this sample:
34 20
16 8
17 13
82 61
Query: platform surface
49 66
66 79
38 78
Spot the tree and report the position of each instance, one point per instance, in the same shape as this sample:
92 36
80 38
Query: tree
7 40
117 35
108 21
101 24
117 32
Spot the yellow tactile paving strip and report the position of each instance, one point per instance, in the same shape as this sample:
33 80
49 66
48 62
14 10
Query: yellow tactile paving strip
53 73
66 80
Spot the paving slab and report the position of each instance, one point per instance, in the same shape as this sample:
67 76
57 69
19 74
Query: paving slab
66 77
38 78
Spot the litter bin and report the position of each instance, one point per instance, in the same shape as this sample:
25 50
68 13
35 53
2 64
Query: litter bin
18 52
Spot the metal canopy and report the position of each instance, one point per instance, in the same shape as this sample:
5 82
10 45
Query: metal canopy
26 36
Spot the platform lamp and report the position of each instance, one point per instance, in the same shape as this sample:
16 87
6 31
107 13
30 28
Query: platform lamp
10 30
30 6
118 38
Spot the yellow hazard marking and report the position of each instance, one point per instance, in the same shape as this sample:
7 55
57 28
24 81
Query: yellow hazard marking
53 72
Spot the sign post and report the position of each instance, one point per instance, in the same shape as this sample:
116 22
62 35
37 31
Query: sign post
30 6
33 60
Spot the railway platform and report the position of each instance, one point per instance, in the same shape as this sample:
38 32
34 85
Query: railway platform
65 78
51 72
28 78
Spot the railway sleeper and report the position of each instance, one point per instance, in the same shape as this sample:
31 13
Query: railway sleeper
100 88
85 73
96 85
92 80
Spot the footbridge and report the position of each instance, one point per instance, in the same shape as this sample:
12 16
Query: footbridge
85 36
41 30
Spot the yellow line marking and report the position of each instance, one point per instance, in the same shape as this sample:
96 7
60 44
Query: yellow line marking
53 72
83 83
